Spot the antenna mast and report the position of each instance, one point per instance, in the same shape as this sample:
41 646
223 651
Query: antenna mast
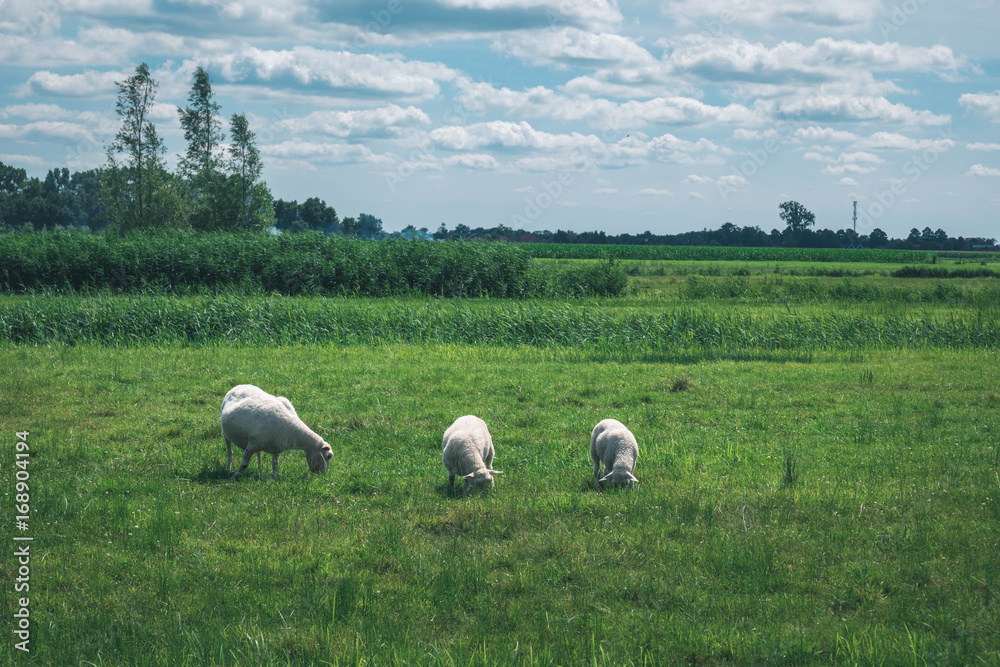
855 216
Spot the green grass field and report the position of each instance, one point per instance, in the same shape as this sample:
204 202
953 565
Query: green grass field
819 494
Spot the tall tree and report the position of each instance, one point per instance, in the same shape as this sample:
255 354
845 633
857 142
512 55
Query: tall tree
877 238
136 187
318 215
202 164
796 216
369 226
253 205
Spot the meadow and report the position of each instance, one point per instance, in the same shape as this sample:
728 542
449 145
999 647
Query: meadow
819 472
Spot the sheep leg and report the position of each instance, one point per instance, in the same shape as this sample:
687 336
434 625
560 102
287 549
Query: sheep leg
260 468
274 467
247 455
451 481
597 468
229 455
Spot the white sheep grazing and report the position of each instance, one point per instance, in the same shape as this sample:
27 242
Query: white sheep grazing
614 445
468 451
256 422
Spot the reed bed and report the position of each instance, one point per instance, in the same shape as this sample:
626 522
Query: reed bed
297 264
120 321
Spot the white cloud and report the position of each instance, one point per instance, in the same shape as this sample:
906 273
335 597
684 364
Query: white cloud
983 104
983 171
814 133
895 141
503 134
472 161
721 16
344 73
36 111
48 130
729 58
89 83
21 160
858 162
655 192
611 117
983 147
729 180
324 152
845 108
573 47
387 120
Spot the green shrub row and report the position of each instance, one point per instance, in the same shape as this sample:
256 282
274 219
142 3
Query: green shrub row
722 253
776 289
944 272
246 320
192 263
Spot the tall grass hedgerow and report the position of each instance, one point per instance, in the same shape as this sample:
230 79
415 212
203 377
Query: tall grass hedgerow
720 253
191 263
773 289
247 320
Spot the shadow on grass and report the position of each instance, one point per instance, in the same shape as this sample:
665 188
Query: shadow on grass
592 485
443 490
218 474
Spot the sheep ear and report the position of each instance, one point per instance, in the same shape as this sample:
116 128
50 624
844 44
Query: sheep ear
632 477
606 477
469 476
496 472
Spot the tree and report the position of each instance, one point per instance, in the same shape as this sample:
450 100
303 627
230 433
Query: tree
877 238
318 215
135 185
796 216
11 179
251 204
201 165
349 226
285 213
369 226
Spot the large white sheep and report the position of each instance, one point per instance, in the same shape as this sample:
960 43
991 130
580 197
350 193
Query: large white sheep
468 451
612 444
255 421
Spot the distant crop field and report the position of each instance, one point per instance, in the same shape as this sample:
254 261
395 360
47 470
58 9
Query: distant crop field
819 470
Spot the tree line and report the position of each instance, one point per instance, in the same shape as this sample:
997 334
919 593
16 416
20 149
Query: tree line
797 233
217 186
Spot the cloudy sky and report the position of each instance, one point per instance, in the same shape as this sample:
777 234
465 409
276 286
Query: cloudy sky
548 114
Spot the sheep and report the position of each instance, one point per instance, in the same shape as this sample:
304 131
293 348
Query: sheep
612 444
468 451
256 422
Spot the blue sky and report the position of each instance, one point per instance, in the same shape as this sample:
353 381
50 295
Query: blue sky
548 114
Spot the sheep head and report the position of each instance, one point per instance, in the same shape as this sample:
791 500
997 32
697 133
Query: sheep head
319 459
482 478
620 478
